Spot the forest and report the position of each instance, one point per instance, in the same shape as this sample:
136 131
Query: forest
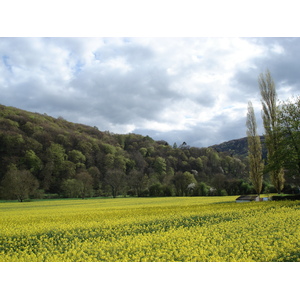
47 157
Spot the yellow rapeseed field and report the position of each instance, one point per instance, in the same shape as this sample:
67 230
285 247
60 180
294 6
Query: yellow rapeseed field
187 229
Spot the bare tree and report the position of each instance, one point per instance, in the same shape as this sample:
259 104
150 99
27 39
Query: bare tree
272 135
254 151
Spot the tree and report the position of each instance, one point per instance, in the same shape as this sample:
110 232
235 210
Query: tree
270 121
77 157
218 183
289 122
116 180
156 190
32 161
182 181
160 165
254 151
201 189
18 184
96 175
87 184
81 186
72 188
137 181
54 167
68 170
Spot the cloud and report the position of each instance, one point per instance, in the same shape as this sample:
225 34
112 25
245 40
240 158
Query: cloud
176 89
281 57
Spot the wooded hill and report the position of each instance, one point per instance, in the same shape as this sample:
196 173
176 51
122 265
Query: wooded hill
239 147
63 159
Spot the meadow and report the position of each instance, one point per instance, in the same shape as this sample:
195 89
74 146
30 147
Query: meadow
175 229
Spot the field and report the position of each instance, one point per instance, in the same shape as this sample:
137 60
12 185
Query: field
187 229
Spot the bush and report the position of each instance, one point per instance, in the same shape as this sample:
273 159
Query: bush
201 189
38 194
223 193
51 196
168 191
144 193
290 189
268 188
285 197
156 190
131 193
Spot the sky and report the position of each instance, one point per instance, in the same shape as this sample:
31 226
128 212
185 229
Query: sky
193 90
173 70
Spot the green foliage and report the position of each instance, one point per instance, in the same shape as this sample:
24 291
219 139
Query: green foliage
79 187
160 165
18 184
137 182
56 151
255 151
32 161
116 180
57 154
68 169
272 129
156 190
182 182
144 151
289 124
76 157
72 188
96 176
12 143
108 149
201 189
86 181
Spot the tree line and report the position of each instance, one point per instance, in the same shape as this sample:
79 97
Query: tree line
43 156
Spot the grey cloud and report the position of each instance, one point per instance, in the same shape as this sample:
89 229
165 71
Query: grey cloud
284 67
73 78
135 54
245 82
205 99
200 136
138 94
218 130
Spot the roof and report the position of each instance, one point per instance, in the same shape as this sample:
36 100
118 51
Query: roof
247 198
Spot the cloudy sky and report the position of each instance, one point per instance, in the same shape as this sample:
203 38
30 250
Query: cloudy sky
175 89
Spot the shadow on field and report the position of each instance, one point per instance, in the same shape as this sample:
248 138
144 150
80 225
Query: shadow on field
288 257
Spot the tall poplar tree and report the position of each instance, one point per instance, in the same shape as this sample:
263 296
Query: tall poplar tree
272 133
254 151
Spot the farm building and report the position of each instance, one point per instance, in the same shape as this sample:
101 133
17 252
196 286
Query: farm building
247 198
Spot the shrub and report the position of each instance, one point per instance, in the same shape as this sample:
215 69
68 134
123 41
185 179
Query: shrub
156 190
285 197
201 189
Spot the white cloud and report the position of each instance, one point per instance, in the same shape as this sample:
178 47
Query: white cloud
193 88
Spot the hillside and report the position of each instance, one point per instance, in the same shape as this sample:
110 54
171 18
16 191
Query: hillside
76 160
238 147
